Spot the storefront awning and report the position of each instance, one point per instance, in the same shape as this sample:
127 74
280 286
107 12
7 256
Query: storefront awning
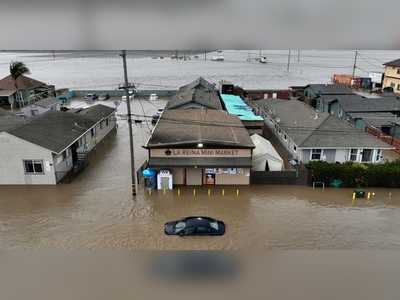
212 162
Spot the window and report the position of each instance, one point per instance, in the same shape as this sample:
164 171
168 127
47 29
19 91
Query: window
378 156
101 124
316 154
107 121
398 87
398 70
34 112
392 85
294 148
33 167
64 155
92 132
366 155
285 137
353 154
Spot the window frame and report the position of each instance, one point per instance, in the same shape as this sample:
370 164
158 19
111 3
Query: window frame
320 154
33 162
356 154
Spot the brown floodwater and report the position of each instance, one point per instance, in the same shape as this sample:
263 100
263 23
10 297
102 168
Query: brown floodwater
97 211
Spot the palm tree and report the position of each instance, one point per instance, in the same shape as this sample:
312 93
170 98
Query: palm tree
17 69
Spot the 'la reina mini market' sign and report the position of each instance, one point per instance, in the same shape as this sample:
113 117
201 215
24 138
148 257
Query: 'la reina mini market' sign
200 152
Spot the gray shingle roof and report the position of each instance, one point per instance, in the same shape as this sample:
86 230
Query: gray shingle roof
356 103
394 63
57 130
97 112
190 127
199 93
330 89
377 119
9 120
310 129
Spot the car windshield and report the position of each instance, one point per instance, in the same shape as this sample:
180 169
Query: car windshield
179 226
214 225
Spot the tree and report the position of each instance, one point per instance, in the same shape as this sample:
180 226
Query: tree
17 69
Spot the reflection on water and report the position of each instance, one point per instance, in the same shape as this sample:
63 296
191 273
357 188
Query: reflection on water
97 211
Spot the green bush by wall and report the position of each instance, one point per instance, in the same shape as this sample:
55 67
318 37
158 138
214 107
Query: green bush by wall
356 174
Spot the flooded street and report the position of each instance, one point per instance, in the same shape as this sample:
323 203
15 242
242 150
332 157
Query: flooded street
96 210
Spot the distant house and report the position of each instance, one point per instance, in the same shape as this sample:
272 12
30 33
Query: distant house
392 75
197 94
309 135
29 90
313 91
41 107
43 150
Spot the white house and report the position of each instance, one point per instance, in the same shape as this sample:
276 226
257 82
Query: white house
309 135
45 149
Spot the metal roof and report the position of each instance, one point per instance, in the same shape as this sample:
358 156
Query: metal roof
237 107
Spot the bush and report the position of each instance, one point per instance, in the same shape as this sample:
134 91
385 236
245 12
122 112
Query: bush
357 174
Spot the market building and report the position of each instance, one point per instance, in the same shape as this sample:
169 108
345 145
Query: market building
200 147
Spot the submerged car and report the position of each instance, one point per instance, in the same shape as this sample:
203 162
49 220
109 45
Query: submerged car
195 226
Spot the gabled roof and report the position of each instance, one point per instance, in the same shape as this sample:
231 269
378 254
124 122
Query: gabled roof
393 63
356 103
309 129
197 94
199 82
55 131
330 89
215 128
23 83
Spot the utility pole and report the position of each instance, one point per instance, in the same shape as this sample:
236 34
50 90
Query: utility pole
205 55
54 54
355 63
288 61
298 55
126 87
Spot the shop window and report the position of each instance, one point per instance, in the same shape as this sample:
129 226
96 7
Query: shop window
316 154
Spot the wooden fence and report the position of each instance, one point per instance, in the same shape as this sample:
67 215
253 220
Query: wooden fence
395 142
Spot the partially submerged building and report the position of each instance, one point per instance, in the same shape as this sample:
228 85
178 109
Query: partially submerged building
201 146
309 135
23 91
44 149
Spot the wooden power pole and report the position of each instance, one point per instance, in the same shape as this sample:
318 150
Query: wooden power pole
126 87
355 63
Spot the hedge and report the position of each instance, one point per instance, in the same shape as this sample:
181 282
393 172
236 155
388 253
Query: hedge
357 174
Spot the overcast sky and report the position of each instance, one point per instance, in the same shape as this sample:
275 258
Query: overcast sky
178 24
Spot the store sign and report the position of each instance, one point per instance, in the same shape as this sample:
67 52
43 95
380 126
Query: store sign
200 152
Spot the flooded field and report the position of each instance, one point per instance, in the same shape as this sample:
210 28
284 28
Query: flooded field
97 211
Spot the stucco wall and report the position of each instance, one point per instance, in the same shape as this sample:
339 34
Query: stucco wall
13 151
